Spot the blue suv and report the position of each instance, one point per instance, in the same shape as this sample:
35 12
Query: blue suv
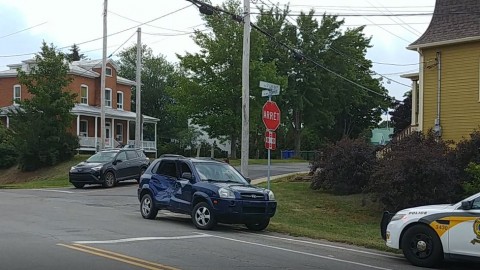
208 190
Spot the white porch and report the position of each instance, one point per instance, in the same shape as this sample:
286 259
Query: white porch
119 129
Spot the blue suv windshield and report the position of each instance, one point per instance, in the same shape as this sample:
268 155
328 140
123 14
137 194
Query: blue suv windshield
218 172
102 157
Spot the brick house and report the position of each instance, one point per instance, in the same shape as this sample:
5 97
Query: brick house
119 119
446 91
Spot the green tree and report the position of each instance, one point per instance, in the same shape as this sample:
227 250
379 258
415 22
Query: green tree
75 54
401 116
8 154
315 99
41 124
158 76
211 90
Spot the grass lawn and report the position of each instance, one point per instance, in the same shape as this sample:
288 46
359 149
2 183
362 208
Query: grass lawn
55 176
301 211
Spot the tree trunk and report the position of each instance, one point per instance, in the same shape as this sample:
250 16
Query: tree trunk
297 132
233 147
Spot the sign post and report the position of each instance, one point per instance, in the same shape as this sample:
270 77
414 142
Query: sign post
271 119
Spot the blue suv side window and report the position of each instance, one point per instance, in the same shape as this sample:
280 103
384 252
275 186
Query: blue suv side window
168 168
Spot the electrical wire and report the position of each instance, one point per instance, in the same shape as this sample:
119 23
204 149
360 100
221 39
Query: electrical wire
19 31
116 33
393 20
344 55
132 20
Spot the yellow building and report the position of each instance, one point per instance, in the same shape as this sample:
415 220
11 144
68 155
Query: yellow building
446 91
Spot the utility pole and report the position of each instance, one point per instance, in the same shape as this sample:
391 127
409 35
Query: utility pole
102 83
138 101
245 89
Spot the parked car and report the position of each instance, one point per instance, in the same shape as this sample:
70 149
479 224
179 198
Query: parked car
109 167
429 234
208 190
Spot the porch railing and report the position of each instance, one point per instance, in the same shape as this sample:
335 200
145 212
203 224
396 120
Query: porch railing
147 145
89 142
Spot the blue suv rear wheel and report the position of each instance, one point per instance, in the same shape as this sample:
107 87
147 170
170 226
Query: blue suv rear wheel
147 207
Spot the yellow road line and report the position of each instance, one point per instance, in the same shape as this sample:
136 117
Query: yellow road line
119 257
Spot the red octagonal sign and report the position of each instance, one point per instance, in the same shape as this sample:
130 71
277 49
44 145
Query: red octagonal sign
271 115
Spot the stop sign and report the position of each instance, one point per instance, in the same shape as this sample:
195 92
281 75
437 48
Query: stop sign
271 115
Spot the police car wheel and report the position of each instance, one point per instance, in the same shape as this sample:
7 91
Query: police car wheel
422 246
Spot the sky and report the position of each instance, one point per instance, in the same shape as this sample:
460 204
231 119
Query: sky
24 24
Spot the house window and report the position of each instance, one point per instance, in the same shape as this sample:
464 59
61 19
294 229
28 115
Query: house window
83 128
108 97
17 93
84 94
108 71
119 132
120 100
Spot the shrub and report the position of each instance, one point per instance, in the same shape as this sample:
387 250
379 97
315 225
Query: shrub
8 154
472 184
418 170
346 168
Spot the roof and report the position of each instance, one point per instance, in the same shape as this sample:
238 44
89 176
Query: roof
5 110
411 76
110 112
453 21
80 68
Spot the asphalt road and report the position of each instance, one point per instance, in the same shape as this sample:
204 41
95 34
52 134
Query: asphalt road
260 171
96 228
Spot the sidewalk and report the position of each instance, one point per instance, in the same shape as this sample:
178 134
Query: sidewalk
264 179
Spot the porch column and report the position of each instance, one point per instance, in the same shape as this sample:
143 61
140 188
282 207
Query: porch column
78 125
112 136
128 131
8 121
414 102
155 146
96 133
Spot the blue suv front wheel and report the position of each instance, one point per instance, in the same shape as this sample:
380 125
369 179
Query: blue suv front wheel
203 217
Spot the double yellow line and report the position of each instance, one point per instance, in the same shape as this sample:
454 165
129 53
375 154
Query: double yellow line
119 257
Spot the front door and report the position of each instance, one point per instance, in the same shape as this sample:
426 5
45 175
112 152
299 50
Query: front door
108 135
164 182
183 194
464 231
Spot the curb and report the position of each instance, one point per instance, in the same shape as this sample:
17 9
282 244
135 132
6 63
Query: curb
264 179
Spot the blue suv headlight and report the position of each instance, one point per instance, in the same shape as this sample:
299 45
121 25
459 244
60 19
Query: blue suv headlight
271 196
226 193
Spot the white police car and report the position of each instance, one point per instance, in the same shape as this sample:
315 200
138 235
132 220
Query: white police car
429 234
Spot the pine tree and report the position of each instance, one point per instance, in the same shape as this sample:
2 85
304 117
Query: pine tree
41 123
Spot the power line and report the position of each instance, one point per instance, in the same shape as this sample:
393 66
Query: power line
116 33
415 32
19 31
343 54
132 20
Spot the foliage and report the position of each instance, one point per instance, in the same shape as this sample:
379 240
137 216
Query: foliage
40 124
158 78
75 54
468 151
401 116
417 170
346 168
472 185
315 100
8 154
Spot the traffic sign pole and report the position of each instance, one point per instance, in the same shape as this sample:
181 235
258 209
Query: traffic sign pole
272 89
269 164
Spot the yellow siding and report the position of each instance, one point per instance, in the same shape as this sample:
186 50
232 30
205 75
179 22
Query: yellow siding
460 106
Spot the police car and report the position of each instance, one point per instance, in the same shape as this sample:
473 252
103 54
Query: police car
429 234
